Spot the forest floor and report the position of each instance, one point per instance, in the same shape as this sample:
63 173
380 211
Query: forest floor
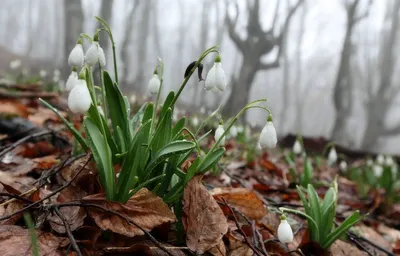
44 188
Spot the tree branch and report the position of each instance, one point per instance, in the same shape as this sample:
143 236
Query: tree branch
240 44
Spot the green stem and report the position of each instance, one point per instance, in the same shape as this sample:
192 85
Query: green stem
103 93
193 137
208 51
161 77
283 209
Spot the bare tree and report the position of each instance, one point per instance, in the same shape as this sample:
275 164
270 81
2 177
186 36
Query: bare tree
73 26
257 44
342 96
380 99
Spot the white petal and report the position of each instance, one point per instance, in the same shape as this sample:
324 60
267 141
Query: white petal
285 232
102 57
332 157
79 98
380 159
233 131
210 79
389 161
72 81
76 57
297 148
92 54
378 170
343 166
220 79
268 138
154 85
218 133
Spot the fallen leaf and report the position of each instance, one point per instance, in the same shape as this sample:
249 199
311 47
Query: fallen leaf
8 209
86 179
15 240
202 218
41 115
218 250
237 247
340 248
144 208
46 162
13 107
243 200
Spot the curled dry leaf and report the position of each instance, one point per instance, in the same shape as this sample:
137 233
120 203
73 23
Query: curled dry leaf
15 240
340 248
218 250
237 247
144 208
8 209
202 218
243 200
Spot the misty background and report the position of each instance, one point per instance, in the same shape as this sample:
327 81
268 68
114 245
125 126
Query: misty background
328 67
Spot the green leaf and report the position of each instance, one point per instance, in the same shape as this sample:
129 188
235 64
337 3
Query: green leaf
137 118
175 147
210 160
121 139
148 113
162 135
307 173
70 126
193 169
343 228
102 155
166 105
178 127
315 207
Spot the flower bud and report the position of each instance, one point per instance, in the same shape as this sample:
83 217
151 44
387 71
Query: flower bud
389 161
79 99
216 80
154 84
285 232
218 133
378 170
332 157
43 73
297 148
195 121
233 131
71 81
92 54
15 64
380 159
343 166
102 57
76 57
268 138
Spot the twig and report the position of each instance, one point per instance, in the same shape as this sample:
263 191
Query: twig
48 196
255 250
68 231
82 204
16 197
260 240
359 245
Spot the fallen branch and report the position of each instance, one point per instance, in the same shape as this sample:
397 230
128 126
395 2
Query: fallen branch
68 231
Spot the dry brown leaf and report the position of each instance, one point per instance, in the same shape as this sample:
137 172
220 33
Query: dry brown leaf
144 208
41 115
243 200
8 209
86 178
218 250
237 247
340 248
15 240
372 235
202 218
13 107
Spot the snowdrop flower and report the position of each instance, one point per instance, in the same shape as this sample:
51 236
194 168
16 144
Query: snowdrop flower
218 133
72 80
216 80
285 232
394 169
43 73
380 159
332 156
195 121
370 162
154 84
79 99
76 57
133 99
233 131
343 166
15 64
56 72
240 129
102 57
297 148
389 161
56 79
92 55
378 170
202 110
268 138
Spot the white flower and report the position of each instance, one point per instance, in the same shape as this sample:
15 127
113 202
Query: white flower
154 84
72 81
76 57
56 79
268 138
79 98
218 133
203 110
233 131
92 54
370 162
15 64
380 159
43 73
297 148
389 161
133 99
240 129
332 156
343 166
102 57
216 79
195 121
285 232
56 72
394 169
378 170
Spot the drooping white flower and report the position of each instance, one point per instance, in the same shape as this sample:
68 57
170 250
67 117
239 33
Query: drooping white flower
268 138
42 73
297 148
218 133
343 166
56 72
79 98
240 129
71 81
233 131
216 79
133 99
56 79
378 170
203 110
15 64
389 160
332 157
195 121
154 84
92 55
285 232
380 159
102 57
370 162
76 57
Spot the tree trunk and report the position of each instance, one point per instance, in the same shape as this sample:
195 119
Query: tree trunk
106 14
73 27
